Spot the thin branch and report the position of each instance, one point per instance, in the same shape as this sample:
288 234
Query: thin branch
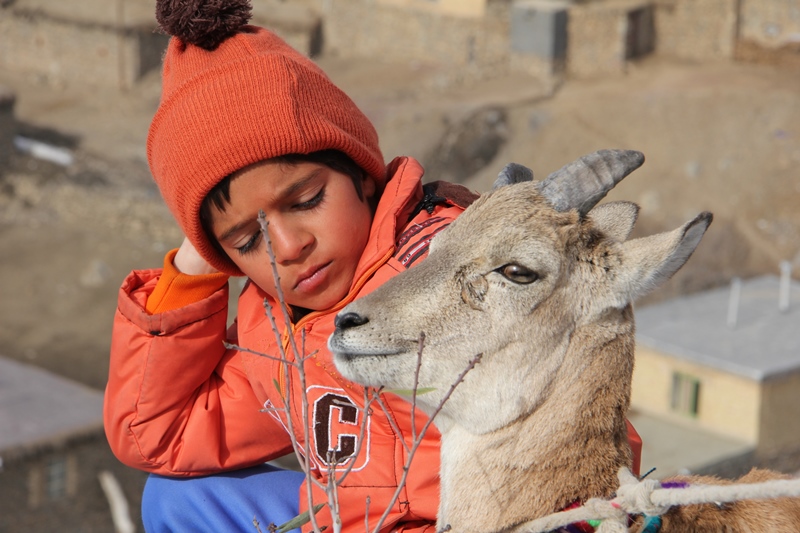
406 467
366 513
377 398
264 223
230 346
306 458
367 412
421 344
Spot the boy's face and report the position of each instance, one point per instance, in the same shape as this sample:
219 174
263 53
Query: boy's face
318 226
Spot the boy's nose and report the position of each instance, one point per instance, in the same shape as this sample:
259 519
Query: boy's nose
288 242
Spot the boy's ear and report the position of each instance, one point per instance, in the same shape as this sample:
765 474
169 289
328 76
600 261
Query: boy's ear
369 187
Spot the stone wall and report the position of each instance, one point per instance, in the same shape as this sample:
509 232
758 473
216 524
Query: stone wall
780 415
466 46
696 29
771 24
769 32
603 36
298 23
109 45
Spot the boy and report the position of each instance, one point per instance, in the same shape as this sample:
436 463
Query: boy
245 123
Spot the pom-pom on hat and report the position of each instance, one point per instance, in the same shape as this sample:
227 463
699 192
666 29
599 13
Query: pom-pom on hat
233 95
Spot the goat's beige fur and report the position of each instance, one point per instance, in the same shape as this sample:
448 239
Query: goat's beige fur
545 295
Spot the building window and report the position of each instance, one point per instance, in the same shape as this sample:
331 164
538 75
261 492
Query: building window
52 479
685 394
56 481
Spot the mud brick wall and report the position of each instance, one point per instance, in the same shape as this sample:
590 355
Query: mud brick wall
298 23
470 46
602 36
770 24
697 29
58 49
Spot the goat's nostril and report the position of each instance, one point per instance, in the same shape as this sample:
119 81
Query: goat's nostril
349 320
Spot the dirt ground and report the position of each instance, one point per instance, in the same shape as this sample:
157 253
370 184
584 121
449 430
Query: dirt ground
722 137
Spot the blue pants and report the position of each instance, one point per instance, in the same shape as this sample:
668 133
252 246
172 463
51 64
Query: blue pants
222 502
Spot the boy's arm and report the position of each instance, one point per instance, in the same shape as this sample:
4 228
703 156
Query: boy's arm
177 402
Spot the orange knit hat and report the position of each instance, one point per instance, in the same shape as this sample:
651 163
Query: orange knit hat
233 95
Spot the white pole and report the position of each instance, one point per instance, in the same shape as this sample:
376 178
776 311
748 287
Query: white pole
786 277
120 514
733 302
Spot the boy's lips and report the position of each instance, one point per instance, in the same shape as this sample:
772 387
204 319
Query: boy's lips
312 278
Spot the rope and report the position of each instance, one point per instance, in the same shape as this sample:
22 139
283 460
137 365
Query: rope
651 498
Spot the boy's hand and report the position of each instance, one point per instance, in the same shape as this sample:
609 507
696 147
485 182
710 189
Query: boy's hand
188 261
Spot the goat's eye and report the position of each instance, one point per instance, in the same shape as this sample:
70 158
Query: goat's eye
518 274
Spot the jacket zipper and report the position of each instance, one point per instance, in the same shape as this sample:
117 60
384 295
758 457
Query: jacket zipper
294 328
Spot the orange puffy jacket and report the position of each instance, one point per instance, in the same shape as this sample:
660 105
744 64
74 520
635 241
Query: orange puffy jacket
178 403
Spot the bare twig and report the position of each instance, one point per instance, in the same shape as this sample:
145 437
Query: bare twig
417 441
366 514
421 344
303 459
367 411
236 347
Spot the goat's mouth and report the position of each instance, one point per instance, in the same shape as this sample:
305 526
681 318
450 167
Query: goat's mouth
346 350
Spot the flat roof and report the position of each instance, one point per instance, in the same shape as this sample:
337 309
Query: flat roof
764 342
38 407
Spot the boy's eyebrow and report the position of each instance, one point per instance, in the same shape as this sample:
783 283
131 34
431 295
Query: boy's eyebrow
288 192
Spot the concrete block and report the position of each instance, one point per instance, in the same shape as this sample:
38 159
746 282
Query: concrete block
539 27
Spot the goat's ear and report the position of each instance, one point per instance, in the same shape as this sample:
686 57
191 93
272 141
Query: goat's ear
511 174
584 182
615 219
650 261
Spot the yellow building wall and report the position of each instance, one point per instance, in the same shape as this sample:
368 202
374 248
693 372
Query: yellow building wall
780 415
465 8
728 405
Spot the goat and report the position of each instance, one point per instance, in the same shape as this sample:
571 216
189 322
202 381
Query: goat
540 280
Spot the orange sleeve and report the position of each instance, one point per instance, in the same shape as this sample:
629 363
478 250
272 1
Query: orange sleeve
177 402
175 289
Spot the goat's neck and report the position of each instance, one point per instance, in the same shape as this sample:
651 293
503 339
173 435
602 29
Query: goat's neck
569 449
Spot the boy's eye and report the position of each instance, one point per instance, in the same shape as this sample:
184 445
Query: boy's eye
313 202
250 245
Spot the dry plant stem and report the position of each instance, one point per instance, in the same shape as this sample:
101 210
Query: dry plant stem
302 458
366 411
376 398
420 346
418 439
333 493
366 514
299 363
238 348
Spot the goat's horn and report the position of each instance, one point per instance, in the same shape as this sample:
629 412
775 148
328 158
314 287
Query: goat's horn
513 173
584 182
